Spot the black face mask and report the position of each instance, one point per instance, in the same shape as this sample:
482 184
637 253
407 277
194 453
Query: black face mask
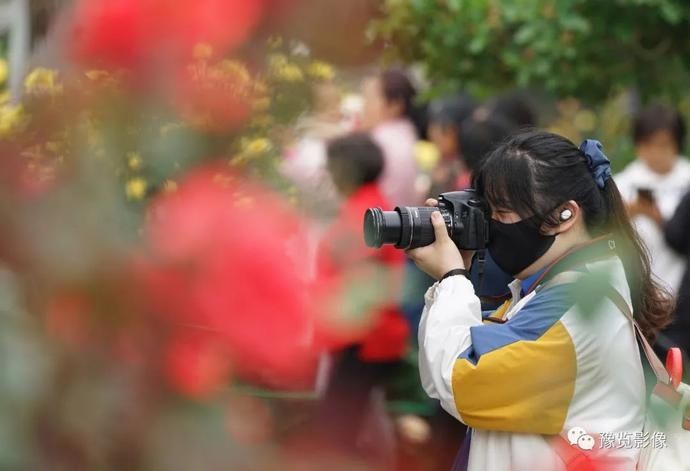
516 246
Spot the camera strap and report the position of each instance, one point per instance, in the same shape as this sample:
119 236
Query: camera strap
480 257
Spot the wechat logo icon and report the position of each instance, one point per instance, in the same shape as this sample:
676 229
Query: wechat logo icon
577 436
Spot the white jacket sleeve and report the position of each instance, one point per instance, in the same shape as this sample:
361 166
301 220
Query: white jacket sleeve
451 308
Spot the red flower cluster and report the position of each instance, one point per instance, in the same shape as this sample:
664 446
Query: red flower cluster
148 34
224 277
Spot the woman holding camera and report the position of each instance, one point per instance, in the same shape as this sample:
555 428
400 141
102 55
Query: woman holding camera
553 359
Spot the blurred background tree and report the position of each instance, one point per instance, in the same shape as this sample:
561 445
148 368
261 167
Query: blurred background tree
589 64
584 48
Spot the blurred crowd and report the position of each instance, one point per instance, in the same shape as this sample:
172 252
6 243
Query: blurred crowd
384 147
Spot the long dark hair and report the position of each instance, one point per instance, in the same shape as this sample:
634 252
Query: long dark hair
535 171
398 87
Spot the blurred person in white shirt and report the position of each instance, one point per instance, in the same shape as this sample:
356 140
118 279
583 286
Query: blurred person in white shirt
654 183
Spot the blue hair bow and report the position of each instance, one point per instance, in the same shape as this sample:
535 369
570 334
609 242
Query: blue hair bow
599 165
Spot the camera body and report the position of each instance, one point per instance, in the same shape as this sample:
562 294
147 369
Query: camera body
466 217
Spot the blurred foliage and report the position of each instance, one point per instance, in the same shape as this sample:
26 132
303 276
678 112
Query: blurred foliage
92 374
584 48
223 110
599 60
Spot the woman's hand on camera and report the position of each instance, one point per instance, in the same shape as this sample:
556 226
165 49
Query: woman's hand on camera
442 255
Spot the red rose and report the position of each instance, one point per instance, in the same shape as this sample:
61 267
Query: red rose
148 34
227 257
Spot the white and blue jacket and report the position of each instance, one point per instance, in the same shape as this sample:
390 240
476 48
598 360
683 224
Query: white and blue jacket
553 358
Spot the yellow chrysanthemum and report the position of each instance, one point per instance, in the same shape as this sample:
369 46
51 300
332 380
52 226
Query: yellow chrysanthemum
259 145
4 70
135 188
321 71
426 155
42 80
234 70
289 73
275 61
134 160
11 119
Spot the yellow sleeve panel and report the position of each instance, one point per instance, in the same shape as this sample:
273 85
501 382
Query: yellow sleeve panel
524 387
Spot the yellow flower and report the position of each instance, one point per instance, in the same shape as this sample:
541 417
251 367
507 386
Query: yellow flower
289 73
276 61
135 189
134 160
4 70
234 70
203 51
169 186
11 119
4 97
259 145
427 155
320 71
42 80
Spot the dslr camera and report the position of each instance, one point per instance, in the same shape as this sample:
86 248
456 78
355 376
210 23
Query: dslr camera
408 227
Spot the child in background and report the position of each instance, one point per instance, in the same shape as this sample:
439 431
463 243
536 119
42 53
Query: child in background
362 314
654 183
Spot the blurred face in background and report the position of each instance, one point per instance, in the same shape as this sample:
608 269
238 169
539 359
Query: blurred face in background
377 109
659 151
327 99
445 138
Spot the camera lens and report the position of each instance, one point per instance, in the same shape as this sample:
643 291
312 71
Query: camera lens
382 227
417 230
